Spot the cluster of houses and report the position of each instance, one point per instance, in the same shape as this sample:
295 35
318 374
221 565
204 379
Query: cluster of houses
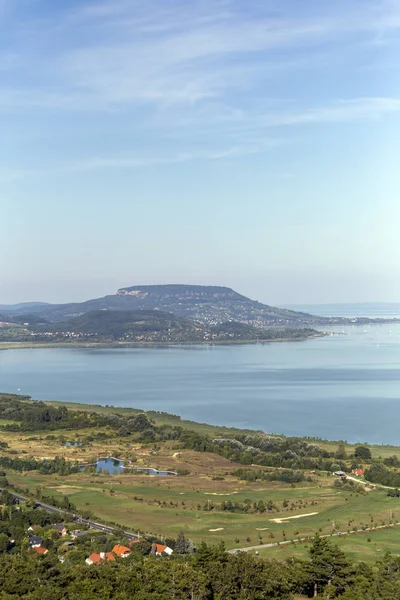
123 552
35 541
35 545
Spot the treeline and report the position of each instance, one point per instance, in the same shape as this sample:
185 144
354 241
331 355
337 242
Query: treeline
287 475
46 467
264 450
248 506
379 473
38 416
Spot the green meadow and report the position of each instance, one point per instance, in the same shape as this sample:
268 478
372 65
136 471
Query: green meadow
163 508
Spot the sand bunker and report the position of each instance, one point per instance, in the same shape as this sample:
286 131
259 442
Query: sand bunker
262 528
286 519
215 494
218 529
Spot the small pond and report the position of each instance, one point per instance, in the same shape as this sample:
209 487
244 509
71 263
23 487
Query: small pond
113 466
110 465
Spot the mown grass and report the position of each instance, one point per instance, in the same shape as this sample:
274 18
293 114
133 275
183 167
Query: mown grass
368 547
137 502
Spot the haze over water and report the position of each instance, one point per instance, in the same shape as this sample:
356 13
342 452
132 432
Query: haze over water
337 387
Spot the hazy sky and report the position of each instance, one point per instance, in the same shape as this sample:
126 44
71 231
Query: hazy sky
249 144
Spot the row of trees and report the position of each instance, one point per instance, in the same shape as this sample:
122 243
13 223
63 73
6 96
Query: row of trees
46 467
379 473
286 475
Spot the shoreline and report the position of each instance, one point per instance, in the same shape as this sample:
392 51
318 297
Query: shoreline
111 345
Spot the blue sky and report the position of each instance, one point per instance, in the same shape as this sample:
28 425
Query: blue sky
249 144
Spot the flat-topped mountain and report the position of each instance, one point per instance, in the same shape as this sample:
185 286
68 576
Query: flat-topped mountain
207 304
211 305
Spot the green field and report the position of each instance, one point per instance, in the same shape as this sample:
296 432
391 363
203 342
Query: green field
137 502
162 506
368 547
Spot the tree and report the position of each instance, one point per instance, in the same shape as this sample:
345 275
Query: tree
7 498
181 544
329 566
140 422
362 452
3 542
340 453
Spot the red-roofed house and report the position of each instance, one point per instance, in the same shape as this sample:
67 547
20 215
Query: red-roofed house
358 472
134 542
97 558
121 551
38 550
158 549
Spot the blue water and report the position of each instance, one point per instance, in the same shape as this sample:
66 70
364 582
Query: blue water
344 386
110 465
372 310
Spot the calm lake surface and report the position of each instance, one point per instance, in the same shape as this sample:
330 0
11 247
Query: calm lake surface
343 386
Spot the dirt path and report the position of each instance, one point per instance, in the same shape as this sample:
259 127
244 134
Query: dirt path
369 484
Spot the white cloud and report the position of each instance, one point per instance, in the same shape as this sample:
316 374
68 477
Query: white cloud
129 53
207 73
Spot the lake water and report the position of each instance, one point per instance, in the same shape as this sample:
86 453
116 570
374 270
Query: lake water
110 465
372 310
338 387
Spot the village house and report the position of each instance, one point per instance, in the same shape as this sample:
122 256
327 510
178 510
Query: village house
339 473
38 550
95 559
60 527
358 472
121 551
158 549
34 541
79 534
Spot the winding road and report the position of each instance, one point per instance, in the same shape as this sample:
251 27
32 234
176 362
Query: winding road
75 517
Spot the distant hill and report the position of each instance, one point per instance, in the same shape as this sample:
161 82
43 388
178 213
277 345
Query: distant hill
148 326
22 307
211 305
208 304
26 318
117 324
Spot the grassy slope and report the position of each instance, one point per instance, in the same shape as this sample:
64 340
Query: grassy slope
357 547
93 491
